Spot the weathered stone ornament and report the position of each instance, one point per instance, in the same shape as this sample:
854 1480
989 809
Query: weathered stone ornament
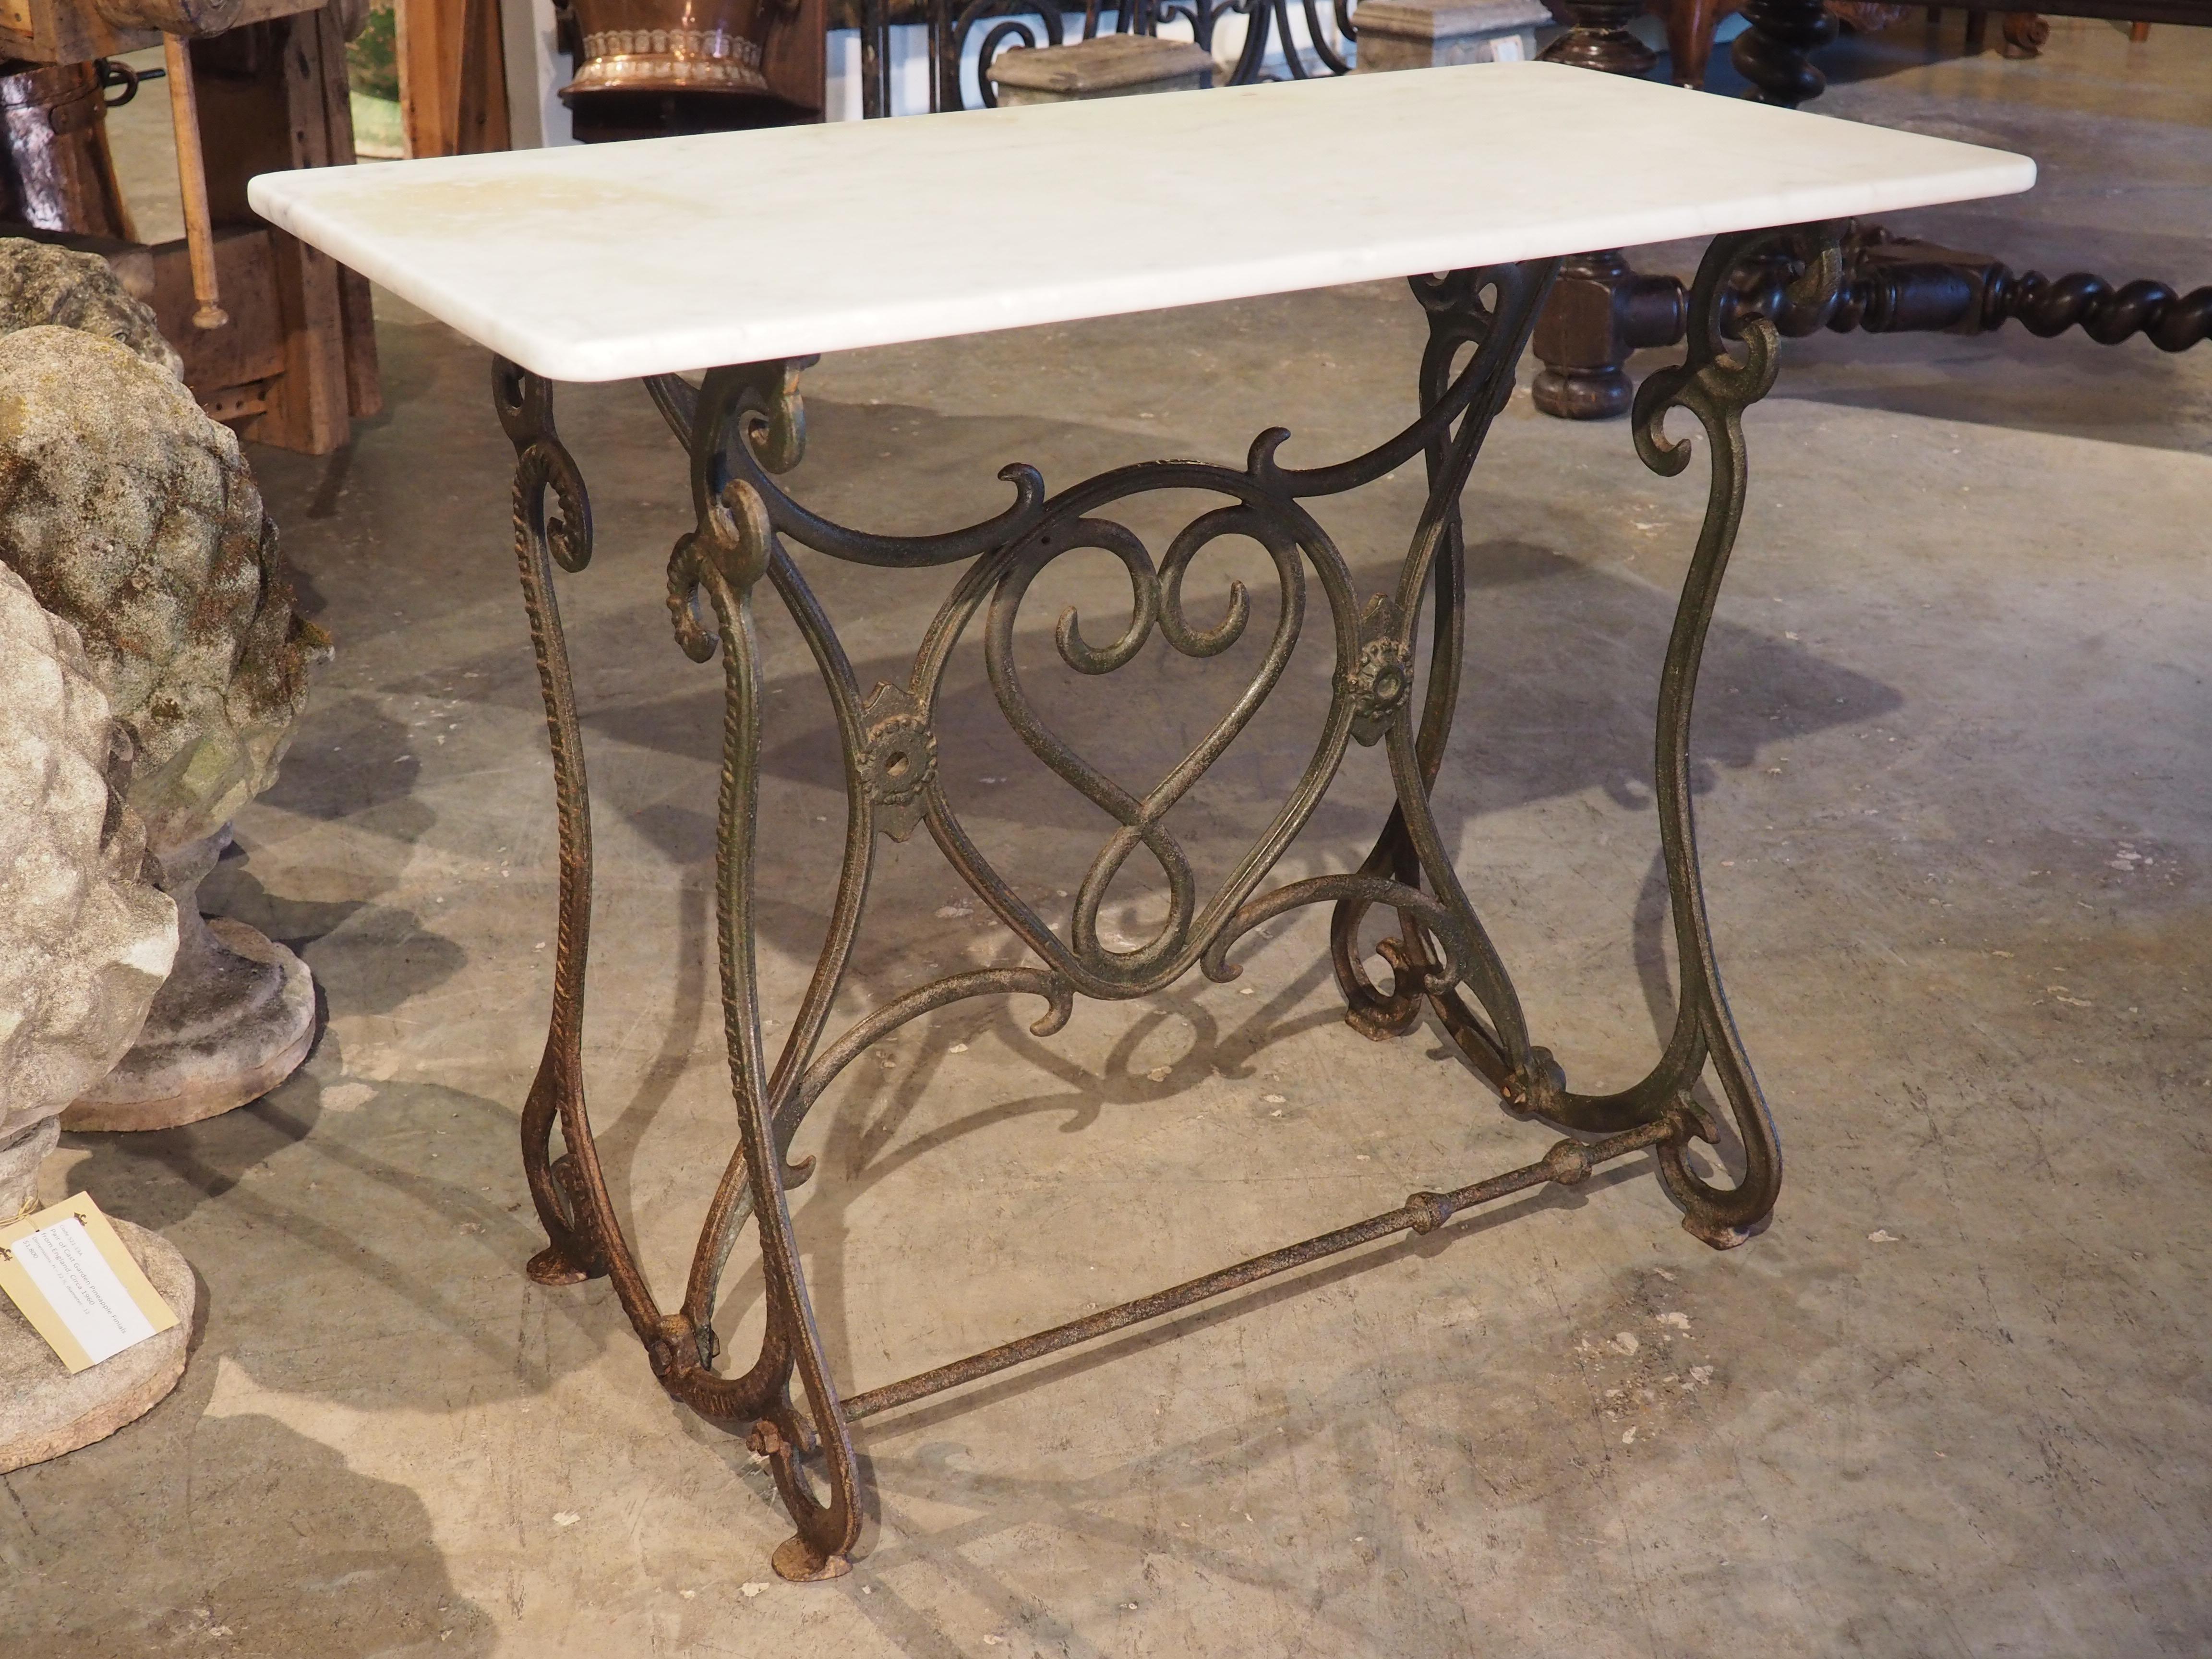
42 284
84 942
133 516
233 1020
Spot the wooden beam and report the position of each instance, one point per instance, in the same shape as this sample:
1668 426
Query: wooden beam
364 382
71 32
480 123
428 47
793 57
452 76
308 407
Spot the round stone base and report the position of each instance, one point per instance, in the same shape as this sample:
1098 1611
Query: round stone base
228 1053
44 1412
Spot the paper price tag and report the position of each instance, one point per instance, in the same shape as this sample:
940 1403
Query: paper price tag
74 1280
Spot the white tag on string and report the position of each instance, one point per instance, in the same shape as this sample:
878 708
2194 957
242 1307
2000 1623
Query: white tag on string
69 1274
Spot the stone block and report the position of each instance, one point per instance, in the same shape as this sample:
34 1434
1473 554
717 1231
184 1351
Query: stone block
1403 35
1111 66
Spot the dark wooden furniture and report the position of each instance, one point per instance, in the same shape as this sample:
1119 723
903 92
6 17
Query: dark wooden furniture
1776 53
1603 310
296 360
1690 26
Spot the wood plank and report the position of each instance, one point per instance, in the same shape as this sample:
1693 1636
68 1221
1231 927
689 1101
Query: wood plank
244 118
481 121
273 96
453 78
309 406
71 32
793 57
429 52
251 348
364 375
364 380
2196 13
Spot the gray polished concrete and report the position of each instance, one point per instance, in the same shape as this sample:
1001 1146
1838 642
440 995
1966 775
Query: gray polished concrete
1953 757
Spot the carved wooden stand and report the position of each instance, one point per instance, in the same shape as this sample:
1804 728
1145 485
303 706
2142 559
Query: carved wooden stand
295 360
1603 310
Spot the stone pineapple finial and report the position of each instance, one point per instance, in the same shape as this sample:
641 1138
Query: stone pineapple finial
133 516
85 942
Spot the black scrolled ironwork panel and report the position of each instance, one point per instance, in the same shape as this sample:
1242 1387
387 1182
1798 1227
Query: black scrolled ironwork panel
743 426
1371 679
1294 542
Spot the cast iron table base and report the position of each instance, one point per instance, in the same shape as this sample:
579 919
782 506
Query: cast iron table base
744 425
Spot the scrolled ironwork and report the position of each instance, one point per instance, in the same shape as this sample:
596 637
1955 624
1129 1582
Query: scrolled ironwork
722 561
1462 308
1009 24
743 426
1269 22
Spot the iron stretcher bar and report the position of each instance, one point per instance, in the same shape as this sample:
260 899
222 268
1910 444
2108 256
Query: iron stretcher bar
1567 1164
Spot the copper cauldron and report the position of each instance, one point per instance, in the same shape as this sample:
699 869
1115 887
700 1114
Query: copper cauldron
670 46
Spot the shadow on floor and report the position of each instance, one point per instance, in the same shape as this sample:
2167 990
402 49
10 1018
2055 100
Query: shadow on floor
286 1550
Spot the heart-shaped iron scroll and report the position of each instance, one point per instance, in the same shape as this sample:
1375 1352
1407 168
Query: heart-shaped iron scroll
1292 541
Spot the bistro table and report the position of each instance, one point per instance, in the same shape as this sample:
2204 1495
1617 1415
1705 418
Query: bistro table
744 254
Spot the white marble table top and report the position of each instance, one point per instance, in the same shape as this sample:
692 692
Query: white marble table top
604 262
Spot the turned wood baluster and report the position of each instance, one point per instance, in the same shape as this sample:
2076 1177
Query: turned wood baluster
1598 313
1597 38
1601 310
1775 52
1582 337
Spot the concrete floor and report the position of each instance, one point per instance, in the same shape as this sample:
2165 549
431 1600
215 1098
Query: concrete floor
1953 757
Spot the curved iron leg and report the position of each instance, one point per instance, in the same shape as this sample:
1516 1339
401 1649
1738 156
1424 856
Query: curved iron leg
731 552
1715 388
1458 319
570 1192
542 466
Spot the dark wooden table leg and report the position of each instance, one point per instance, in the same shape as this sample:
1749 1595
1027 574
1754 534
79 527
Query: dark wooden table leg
1600 312
1582 336
1689 25
1774 53
1597 38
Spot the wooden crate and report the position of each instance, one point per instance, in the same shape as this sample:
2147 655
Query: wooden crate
297 361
